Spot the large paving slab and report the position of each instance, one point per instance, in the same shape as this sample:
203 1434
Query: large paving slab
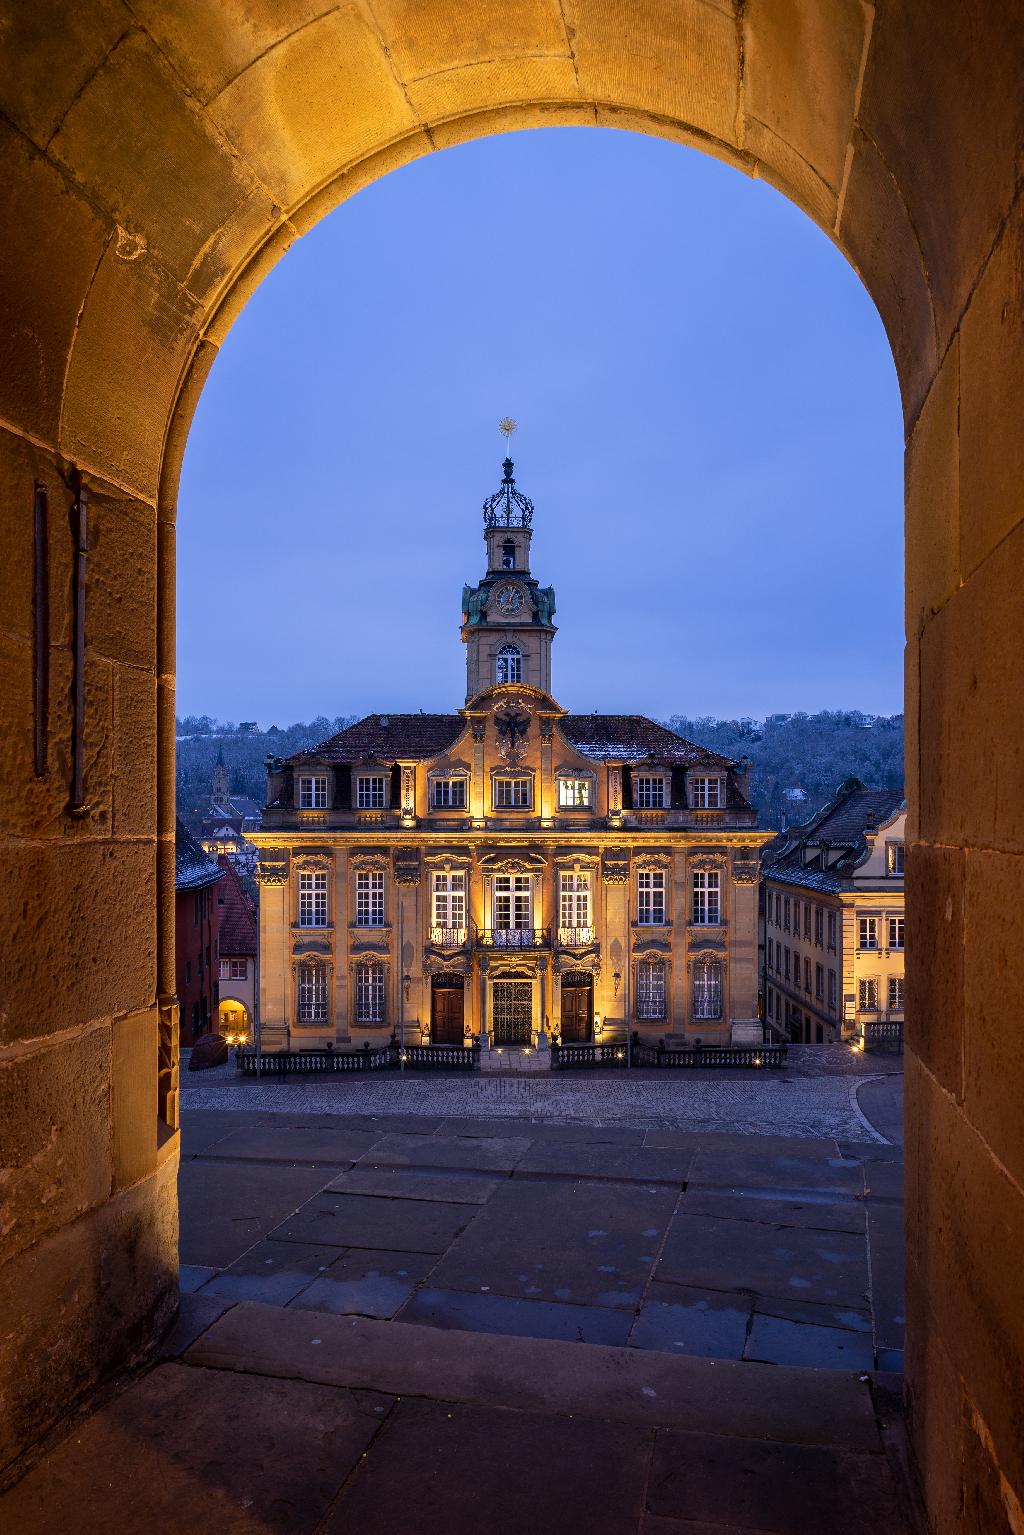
752 1169
333 1145
444 1469
484 1154
192 1449
701 1322
272 1271
828 1267
463 1187
367 1283
825 1212
513 1317
227 1206
587 1243
366 1220
594 1159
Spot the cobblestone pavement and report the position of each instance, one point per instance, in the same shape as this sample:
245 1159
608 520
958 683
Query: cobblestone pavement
815 1096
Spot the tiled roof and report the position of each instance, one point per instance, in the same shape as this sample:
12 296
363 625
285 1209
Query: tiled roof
237 917
861 810
825 880
388 737
192 867
633 738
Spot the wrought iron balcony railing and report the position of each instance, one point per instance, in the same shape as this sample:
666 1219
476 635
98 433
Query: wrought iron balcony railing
576 937
447 937
513 937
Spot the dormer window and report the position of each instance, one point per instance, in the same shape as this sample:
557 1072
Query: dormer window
313 791
894 858
513 793
508 664
508 555
575 794
448 793
649 792
371 791
707 793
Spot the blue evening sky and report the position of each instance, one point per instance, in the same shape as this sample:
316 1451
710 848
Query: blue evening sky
709 425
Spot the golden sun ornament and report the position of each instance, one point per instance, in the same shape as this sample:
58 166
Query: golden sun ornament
506 426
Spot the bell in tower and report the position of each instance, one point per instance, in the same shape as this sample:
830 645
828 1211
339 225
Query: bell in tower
506 617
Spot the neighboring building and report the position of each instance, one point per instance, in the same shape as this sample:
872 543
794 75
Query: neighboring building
195 935
833 918
510 869
239 944
229 820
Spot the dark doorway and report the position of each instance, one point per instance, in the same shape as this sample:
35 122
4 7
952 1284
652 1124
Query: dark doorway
577 1007
447 1010
512 1006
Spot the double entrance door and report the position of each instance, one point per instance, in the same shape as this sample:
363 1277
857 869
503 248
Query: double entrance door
577 1008
448 1010
512 1011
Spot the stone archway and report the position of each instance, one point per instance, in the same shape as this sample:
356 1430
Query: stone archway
158 161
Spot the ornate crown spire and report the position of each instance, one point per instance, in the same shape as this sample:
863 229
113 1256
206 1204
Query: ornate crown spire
508 507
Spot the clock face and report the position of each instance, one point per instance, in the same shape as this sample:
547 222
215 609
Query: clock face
509 599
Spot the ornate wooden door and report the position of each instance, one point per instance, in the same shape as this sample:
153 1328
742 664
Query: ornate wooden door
577 1008
447 1023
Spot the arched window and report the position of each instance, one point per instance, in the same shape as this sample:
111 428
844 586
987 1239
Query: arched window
707 989
508 664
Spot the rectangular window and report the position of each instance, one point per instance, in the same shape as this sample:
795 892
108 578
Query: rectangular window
807 919
313 792
312 900
707 990
819 926
312 993
371 792
573 906
650 990
896 930
778 910
867 928
239 969
807 974
867 996
706 793
785 914
650 898
787 965
819 983
832 991
449 901
370 993
707 906
649 793
512 793
895 993
574 793
449 794
224 969
894 857
513 904
832 931
369 899
778 957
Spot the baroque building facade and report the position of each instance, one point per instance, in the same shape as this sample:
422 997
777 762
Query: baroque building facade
509 872
834 922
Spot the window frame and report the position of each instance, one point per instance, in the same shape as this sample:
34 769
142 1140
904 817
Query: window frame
867 927
653 782
369 894
701 897
509 658
897 925
449 893
446 784
311 993
370 801
584 783
512 778
316 784
701 797
867 986
370 988
895 852
312 898
651 897
650 991
896 986
715 986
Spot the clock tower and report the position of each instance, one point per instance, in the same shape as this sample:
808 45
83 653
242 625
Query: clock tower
506 617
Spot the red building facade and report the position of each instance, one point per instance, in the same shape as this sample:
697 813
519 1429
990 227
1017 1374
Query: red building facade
196 942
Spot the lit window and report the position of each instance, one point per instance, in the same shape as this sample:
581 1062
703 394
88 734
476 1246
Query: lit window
312 900
313 792
895 993
370 993
508 664
896 931
312 993
649 793
449 794
223 970
573 906
707 793
867 996
513 905
707 990
706 907
894 857
449 901
371 792
650 989
233 969
512 793
650 898
369 899
574 793
868 932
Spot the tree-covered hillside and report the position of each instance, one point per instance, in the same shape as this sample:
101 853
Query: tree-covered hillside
798 759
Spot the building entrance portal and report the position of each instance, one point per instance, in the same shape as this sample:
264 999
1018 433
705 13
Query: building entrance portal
447 1010
512 1023
577 1007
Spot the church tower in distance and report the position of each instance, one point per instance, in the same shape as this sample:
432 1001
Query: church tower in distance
506 617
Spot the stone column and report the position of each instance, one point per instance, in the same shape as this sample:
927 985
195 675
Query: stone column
275 947
615 937
342 991
680 974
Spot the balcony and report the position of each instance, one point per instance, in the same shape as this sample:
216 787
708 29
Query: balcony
513 937
576 937
447 937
